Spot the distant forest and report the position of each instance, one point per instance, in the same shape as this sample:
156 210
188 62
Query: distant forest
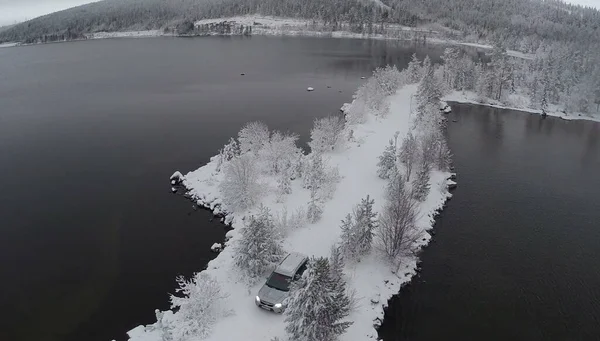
519 24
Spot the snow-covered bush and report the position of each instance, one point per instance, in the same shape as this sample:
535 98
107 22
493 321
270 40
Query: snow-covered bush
260 247
199 307
253 137
285 222
395 233
358 229
240 187
317 305
388 159
327 134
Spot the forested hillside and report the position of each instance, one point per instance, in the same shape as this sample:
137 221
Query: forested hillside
520 24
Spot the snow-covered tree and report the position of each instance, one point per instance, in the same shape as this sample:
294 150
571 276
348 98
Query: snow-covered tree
395 233
420 185
253 137
326 134
408 153
259 248
387 160
358 229
230 151
314 210
284 184
240 187
414 70
314 173
198 308
280 153
503 70
317 305
428 92
443 159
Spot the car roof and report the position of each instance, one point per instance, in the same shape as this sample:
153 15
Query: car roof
290 264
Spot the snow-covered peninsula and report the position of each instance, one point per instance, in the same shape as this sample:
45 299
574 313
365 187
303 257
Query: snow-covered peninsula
389 154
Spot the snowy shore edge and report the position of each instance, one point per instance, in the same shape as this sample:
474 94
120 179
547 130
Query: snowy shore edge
372 279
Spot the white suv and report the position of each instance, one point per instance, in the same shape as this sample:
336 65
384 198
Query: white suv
277 287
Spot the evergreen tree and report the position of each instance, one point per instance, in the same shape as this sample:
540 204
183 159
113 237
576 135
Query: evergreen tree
414 69
420 185
408 153
259 248
314 210
387 160
317 305
358 229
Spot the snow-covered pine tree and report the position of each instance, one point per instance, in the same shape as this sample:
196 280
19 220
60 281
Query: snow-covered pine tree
408 153
314 172
314 211
198 309
284 183
428 93
230 151
387 160
420 185
315 309
259 249
348 237
414 69
365 222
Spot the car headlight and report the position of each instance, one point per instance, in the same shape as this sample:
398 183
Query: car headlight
278 306
257 299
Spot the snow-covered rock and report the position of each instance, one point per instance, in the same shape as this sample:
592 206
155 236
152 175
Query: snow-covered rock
310 89
173 189
177 177
216 247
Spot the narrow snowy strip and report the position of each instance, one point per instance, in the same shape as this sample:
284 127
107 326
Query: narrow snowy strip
519 103
373 279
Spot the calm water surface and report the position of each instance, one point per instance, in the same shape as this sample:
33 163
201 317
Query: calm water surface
516 252
91 239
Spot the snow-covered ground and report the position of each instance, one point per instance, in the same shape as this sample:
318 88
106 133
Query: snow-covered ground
374 280
8 45
127 34
512 53
517 102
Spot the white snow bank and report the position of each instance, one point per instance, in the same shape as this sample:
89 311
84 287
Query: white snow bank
519 103
372 278
216 247
516 54
176 176
127 34
8 45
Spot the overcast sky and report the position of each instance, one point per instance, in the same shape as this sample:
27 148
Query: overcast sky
12 11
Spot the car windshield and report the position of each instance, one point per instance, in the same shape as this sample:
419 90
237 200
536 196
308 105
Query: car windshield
279 282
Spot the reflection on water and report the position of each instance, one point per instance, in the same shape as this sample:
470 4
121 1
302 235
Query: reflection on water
515 255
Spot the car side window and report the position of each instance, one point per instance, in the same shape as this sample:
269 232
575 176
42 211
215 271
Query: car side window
300 271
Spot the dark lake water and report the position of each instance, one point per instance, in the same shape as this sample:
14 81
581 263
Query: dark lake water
516 252
90 237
